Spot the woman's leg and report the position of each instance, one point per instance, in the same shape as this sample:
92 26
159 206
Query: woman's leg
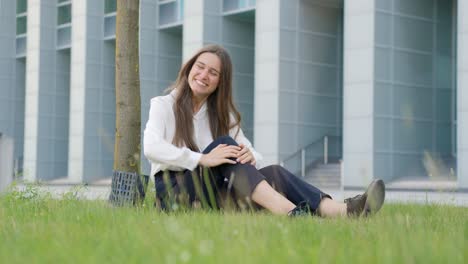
270 199
183 188
174 189
257 184
247 181
331 208
299 191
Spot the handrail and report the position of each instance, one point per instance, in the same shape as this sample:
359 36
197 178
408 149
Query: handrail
302 151
308 146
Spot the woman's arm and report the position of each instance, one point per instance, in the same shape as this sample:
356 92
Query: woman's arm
156 148
242 140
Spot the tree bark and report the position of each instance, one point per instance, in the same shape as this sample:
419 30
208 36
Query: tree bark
127 87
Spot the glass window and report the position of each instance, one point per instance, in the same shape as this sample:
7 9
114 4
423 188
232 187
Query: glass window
63 36
109 26
167 13
64 14
21 25
110 6
21 6
21 46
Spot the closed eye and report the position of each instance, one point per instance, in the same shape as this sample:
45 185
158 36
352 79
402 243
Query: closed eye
201 66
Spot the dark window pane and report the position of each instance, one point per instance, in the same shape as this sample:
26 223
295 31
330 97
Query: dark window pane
110 6
64 14
21 6
21 25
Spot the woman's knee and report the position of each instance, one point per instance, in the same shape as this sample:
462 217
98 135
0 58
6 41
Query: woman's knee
275 174
272 169
220 140
226 140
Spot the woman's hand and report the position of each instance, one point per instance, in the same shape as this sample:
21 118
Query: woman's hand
245 155
220 155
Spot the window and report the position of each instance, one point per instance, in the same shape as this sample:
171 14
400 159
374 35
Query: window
21 6
64 14
110 6
170 13
238 5
21 27
64 18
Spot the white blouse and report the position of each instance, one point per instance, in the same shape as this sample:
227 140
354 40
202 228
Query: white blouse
160 131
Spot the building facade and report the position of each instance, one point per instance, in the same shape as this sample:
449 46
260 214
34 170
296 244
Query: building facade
380 85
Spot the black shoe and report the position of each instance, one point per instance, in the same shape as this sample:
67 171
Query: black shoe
368 203
301 209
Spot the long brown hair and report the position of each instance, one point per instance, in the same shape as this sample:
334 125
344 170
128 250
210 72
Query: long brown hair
220 105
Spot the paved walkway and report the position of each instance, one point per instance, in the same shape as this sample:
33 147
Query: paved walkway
419 197
101 190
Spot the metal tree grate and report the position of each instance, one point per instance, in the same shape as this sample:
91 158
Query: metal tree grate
127 188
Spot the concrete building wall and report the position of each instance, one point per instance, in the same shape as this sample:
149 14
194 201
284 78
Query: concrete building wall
237 34
61 113
18 116
39 138
230 23
378 75
148 41
267 87
160 55
462 94
193 25
414 91
92 97
238 37
358 92
8 71
310 78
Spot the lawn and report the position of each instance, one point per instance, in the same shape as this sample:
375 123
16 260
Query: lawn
35 228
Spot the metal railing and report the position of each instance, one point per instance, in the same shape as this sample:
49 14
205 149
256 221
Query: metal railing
302 152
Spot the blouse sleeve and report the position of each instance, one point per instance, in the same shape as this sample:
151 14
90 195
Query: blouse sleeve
156 148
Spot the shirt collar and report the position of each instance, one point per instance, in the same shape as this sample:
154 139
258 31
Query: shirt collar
202 112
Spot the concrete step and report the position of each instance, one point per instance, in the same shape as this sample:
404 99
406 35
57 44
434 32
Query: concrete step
324 185
329 166
325 175
324 179
321 171
328 171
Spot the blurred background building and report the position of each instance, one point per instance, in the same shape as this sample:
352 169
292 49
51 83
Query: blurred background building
340 91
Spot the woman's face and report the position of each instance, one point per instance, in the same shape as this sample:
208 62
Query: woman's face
204 76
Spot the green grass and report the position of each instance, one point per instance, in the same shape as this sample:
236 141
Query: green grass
38 229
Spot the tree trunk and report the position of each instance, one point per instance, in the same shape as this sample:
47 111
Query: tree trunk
127 87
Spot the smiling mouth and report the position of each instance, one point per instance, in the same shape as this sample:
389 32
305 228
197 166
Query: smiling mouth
201 83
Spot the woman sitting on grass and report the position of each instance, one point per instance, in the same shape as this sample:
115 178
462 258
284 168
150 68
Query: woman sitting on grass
199 114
